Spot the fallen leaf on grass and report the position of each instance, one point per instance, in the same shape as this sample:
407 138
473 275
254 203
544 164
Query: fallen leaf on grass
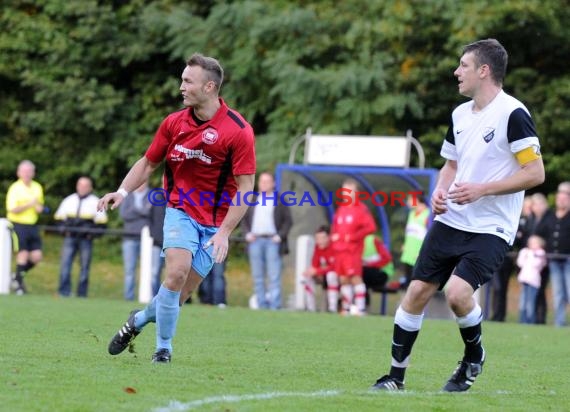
90 333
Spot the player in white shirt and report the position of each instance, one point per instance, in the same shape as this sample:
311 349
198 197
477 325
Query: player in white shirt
492 156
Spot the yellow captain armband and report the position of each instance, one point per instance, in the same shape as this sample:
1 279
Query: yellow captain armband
528 155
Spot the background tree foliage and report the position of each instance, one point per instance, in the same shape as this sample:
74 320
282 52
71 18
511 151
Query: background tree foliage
85 84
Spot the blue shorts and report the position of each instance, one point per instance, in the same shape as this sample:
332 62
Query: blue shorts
181 231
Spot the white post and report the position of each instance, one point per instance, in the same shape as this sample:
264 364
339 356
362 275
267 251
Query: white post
5 256
145 266
303 256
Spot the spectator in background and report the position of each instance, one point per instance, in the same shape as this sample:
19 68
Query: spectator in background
501 277
377 265
212 290
156 225
321 272
539 211
78 216
555 228
416 229
531 260
266 226
135 212
525 222
351 223
24 202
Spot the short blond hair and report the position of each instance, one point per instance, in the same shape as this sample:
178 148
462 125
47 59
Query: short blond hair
212 67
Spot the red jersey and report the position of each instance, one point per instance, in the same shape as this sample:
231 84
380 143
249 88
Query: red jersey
323 260
352 223
202 160
381 258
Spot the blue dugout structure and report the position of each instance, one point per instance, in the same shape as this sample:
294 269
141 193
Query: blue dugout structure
381 166
319 183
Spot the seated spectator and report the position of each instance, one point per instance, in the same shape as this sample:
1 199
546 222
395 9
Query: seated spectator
377 265
531 259
321 272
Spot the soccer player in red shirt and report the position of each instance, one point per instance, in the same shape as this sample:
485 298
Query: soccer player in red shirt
352 221
322 272
209 157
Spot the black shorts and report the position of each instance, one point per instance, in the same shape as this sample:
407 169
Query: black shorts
374 278
28 237
474 257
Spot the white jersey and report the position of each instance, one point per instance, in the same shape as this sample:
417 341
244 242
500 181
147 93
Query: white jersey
81 208
483 144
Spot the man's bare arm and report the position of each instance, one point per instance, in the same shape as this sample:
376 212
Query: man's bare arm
139 173
220 241
439 196
528 176
237 211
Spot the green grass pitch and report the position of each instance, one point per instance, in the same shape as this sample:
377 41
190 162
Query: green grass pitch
53 357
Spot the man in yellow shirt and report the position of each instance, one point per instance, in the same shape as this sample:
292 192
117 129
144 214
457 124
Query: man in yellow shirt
24 202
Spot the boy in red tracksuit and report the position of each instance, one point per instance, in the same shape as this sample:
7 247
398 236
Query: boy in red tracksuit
322 272
352 221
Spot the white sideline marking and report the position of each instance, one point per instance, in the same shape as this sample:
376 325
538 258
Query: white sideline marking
176 406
